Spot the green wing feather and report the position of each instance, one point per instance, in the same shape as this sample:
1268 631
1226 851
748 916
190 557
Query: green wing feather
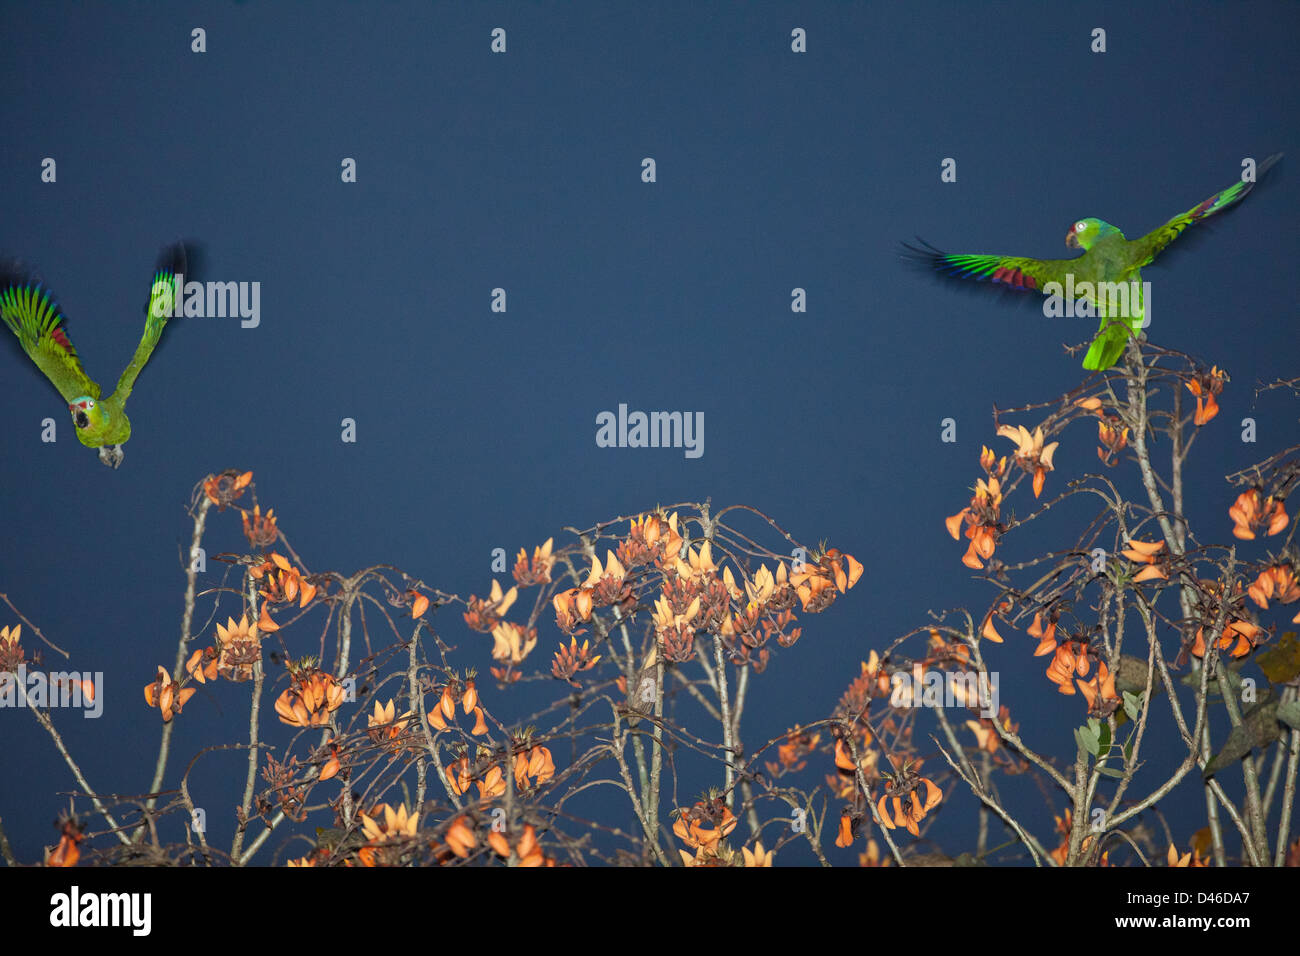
1016 272
164 300
35 318
1150 245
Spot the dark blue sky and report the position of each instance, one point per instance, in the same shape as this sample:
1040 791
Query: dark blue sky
476 430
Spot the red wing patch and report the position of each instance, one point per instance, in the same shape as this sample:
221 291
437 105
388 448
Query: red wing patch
1014 278
61 337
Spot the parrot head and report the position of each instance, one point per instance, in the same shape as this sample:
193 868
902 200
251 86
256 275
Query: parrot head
89 417
1085 232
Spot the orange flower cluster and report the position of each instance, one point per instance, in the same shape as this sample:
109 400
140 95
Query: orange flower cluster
1206 387
491 782
572 660
791 755
982 515
1111 432
1278 583
11 651
225 488
986 733
511 643
282 583
398 826
1147 553
1072 656
651 540
467 696
902 791
262 530
1031 455
460 837
485 614
704 824
539 571
572 607
818 583
1062 851
1252 512
527 850
385 727
533 767
238 649
1238 639
310 698
165 694
1191 859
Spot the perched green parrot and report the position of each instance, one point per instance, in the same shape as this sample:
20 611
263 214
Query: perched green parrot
32 315
1107 257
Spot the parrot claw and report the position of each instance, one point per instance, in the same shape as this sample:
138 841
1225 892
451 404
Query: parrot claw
111 455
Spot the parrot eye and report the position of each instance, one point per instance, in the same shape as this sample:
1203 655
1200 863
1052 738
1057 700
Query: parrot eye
90 404
1080 226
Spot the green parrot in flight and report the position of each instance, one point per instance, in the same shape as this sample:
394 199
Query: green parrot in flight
1107 257
31 314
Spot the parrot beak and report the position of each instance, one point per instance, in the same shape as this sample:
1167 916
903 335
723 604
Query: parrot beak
79 417
1071 241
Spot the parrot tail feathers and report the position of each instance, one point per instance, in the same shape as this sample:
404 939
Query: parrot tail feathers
1107 347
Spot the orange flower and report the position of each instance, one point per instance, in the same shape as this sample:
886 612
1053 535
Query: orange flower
705 823
527 850
384 724
539 571
1113 439
262 531
1189 859
460 838
908 809
1145 552
398 825
1249 512
310 699
986 733
572 660
1031 455
67 853
759 856
536 763
1100 691
572 607
239 649
166 695
1277 582
419 604
484 614
224 488
1238 639
1205 387
981 517
1046 636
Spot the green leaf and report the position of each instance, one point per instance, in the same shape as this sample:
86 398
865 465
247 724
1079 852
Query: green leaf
1110 771
1087 738
1281 662
1103 739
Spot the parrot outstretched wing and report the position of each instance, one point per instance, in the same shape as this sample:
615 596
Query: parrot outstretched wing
1016 272
34 317
164 300
1150 245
